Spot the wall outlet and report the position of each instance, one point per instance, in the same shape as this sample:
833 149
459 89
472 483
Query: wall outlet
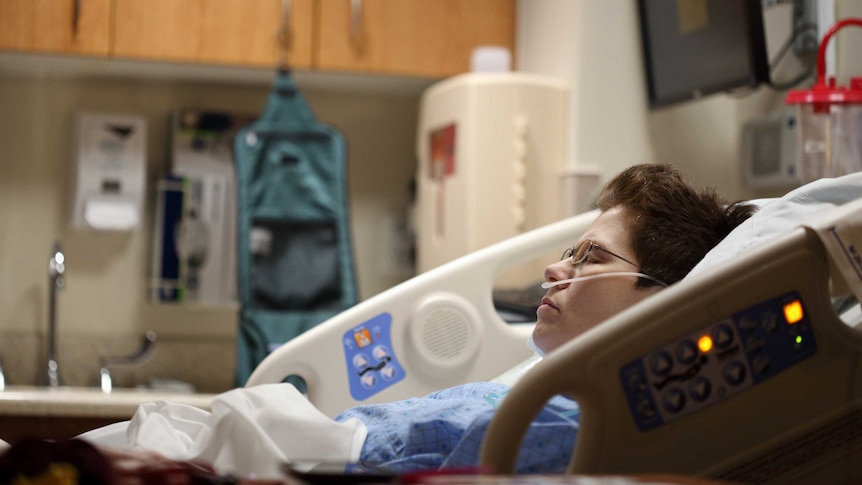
769 151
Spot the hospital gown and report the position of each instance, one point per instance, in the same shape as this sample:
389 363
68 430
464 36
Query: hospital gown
444 430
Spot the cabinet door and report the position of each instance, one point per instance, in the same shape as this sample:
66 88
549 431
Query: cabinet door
240 32
59 26
431 38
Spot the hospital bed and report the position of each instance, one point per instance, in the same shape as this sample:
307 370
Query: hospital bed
436 330
773 394
743 373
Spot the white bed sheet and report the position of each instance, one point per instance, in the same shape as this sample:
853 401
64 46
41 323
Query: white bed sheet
250 432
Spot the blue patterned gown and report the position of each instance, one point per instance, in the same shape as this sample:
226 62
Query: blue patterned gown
445 429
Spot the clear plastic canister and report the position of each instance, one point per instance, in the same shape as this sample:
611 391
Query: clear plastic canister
830 139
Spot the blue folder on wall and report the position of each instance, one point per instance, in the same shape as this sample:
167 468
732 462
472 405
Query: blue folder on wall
295 263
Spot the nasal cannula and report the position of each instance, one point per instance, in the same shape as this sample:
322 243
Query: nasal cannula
548 284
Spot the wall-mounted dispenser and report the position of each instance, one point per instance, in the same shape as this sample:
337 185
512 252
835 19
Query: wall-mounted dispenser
110 171
491 149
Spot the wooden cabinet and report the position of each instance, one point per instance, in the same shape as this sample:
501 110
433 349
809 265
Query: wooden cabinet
239 32
59 26
432 38
428 38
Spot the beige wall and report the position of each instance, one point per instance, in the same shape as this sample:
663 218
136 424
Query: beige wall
848 41
612 125
106 277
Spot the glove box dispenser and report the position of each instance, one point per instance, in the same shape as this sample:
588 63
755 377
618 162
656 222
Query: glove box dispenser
110 170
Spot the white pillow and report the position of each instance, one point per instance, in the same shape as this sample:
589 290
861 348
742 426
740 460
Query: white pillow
780 215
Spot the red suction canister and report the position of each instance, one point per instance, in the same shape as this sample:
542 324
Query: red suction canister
830 119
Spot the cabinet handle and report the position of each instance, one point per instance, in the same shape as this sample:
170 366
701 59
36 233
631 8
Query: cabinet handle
356 23
76 17
284 35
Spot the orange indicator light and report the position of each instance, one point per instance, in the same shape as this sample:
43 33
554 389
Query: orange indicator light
704 344
793 312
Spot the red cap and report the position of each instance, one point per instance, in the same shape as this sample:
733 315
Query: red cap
824 94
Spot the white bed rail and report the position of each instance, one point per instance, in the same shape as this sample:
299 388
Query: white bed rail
433 331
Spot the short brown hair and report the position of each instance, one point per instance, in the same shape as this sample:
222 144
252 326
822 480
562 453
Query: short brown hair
676 224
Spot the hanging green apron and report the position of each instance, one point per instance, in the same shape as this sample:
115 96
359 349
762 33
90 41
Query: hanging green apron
295 263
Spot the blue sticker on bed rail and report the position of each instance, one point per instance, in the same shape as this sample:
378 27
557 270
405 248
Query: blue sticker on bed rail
724 358
371 362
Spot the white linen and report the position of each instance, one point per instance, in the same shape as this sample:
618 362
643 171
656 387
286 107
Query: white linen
250 432
778 216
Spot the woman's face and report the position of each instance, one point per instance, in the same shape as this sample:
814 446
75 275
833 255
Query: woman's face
569 309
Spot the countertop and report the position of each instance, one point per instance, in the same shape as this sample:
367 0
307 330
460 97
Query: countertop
87 402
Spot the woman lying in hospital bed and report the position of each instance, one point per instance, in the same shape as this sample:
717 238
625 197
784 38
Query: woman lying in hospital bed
652 230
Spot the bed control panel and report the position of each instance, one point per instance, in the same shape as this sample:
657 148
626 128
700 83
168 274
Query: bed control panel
720 360
371 362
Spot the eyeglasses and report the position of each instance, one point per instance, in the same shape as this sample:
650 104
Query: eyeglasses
580 252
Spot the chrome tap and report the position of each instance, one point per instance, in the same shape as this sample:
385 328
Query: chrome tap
106 381
57 281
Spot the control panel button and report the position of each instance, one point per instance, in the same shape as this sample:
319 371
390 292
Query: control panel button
380 352
760 364
387 372
734 373
645 408
661 363
769 322
747 323
368 380
674 400
686 352
360 361
699 389
637 383
754 344
722 335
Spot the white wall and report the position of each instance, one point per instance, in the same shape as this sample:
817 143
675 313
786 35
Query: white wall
848 41
595 46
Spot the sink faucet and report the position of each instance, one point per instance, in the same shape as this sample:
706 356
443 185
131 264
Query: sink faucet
56 280
106 382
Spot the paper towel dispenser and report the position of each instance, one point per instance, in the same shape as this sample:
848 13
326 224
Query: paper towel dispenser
110 171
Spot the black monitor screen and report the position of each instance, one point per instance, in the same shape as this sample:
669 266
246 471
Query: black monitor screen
697 47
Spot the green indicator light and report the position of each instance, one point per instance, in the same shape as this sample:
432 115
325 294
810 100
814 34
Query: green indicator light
799 339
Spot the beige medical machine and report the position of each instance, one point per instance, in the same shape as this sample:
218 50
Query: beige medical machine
744 373
491 150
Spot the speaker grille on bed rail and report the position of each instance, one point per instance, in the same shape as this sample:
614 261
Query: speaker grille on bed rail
446 333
